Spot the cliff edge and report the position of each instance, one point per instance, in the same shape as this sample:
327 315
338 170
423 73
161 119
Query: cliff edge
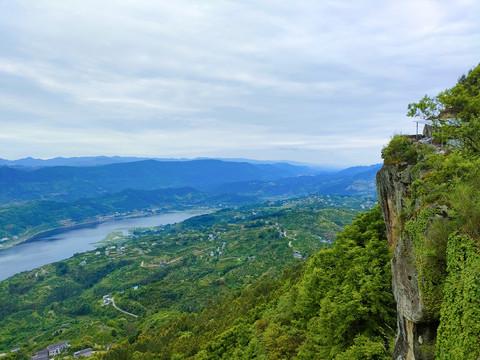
430 200
416 327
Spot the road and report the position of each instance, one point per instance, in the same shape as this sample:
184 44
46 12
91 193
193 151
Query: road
123 311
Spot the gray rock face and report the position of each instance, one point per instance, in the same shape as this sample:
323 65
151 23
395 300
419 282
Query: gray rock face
416 332
393 190
410 309
405 282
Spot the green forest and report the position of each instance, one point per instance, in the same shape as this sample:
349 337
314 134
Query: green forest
176 270
338 305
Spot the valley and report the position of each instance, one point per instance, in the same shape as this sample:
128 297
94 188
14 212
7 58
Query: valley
239 180
128 275
34 201
159 273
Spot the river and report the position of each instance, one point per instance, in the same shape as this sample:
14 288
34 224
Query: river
31 255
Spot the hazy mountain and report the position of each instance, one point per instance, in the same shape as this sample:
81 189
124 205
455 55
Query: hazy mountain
314 167
72 161
68 182
105 160
359 180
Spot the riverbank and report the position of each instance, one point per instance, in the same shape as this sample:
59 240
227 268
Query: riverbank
41 234
38 235
49 249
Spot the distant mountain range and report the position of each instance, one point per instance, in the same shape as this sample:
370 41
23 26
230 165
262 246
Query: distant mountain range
69 182
355 181
65 183
76 161
36 199
105 160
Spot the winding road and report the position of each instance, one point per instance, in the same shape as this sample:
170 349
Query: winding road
112 301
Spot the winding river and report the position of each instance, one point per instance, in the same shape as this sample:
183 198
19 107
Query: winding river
30 255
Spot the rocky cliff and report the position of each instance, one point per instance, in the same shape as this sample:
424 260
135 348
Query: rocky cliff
429 192
416 325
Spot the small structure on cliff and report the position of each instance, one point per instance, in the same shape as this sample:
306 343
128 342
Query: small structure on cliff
427 127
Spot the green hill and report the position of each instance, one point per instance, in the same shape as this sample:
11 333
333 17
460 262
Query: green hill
338 305
178 269
429 192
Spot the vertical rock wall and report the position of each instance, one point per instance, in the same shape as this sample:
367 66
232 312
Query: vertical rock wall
416 331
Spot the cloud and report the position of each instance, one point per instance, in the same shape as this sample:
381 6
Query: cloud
210 77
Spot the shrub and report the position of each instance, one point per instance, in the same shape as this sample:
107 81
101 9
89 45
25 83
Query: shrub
401 149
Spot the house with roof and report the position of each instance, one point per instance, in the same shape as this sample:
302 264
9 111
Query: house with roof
83 353
57 348
40 355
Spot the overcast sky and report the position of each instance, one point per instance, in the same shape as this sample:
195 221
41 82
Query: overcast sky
319 81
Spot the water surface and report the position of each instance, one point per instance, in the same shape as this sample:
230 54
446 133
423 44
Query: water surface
31 255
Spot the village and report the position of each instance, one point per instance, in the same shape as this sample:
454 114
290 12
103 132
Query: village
58 348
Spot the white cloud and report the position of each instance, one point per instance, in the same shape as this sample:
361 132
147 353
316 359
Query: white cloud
292 79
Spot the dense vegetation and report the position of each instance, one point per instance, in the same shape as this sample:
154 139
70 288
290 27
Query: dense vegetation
444 213
338 306
179 270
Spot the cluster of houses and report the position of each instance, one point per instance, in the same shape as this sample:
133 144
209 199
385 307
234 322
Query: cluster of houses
56 349
120 250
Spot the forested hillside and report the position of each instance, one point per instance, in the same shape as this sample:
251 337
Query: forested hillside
179 271
336 306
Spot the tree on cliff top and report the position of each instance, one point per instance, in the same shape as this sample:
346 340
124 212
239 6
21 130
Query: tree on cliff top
455 112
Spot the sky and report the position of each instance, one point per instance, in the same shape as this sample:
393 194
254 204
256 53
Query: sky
322 82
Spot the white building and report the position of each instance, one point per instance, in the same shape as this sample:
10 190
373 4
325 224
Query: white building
57 348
